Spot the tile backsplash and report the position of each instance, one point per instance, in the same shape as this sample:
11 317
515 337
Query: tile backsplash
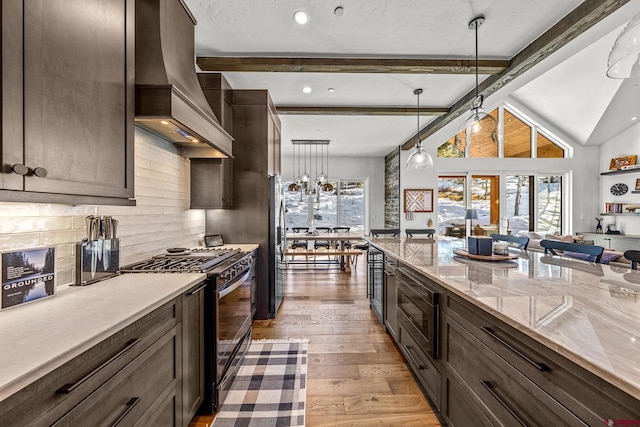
160 219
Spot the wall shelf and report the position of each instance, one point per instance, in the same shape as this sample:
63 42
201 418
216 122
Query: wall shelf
620 214
617 172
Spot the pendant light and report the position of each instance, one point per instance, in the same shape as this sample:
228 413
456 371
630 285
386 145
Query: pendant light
624 58
480 126
322 178
305 176
419 159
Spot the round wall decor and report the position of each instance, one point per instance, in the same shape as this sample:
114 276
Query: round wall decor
619 189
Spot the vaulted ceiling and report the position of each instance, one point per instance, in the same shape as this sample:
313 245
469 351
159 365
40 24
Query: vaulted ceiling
377 52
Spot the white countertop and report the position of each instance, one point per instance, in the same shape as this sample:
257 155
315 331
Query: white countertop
38 337
587 312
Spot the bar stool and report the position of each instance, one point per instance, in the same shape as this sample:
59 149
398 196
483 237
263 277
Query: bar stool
428 231
634 257
377 232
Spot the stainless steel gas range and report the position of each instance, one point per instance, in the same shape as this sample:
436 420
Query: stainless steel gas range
229 302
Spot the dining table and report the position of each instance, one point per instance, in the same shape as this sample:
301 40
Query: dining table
342 238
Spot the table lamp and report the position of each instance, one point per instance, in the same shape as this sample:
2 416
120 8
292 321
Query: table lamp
471 214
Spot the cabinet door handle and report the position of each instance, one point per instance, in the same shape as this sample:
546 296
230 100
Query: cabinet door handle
40 172
195 291
413 359
130 405
389 274
489 387
539 366
20 169
68 388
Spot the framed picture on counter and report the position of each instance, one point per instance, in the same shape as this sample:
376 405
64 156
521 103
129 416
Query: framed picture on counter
418 200
27 275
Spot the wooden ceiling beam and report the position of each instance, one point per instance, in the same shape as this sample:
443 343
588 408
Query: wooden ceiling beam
579 20
358 111
350 65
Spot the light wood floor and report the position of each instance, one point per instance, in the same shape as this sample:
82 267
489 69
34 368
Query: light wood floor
356 375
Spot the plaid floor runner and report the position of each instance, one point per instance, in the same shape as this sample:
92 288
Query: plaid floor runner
270 389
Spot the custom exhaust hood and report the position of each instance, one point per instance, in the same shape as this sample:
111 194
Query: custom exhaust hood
169 100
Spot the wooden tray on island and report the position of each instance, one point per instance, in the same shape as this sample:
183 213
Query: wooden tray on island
492 257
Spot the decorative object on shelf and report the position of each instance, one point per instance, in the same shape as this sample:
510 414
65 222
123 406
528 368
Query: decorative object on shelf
617 163
418 200
610 230
619 189
419 159
624 58
599 226
632 208
637 184
480 125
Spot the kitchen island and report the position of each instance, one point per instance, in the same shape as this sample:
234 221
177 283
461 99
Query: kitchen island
584 317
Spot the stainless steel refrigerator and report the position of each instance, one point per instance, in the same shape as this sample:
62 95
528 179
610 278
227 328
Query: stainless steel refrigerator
277 245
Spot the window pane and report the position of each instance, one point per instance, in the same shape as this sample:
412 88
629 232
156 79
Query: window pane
352 205
550 204
453 148
485 145
485 197
451 206
547 149
325 207
295 207
518 204
517 136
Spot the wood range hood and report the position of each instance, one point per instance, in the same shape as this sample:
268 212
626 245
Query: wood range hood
169 101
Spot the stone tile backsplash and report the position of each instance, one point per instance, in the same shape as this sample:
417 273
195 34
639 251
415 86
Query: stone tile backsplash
160 219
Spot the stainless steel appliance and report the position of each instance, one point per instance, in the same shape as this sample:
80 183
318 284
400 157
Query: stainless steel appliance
277 246
230 278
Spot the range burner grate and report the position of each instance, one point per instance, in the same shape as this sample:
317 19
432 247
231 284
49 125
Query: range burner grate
200 263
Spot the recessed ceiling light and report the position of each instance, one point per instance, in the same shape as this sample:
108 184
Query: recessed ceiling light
300 17
331 90
634 118
306 89
164 122
339 11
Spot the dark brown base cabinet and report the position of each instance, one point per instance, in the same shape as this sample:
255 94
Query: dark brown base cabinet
484 372
148 373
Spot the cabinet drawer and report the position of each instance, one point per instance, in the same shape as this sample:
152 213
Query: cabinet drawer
49 398
421 365
125 397
507 396
588 396
460 405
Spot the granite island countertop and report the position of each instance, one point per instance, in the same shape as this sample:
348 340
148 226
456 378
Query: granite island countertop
587 312
40 336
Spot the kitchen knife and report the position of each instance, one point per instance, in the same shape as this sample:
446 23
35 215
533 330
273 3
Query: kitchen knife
88 220
106 245
100 236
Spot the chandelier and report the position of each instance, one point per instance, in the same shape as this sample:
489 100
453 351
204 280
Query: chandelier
309 156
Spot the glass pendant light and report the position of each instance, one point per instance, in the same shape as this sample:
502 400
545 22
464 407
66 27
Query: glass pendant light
624 58
305 176
419 159
479 127
322 178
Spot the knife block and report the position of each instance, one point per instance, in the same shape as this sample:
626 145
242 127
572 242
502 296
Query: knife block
96 260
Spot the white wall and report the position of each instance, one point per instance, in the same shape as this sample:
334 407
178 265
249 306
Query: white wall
160 219
365 168
624 144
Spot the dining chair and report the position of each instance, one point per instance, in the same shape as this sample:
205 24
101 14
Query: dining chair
521 242
377 232
299 243
322 243
428 231
594 251
336 243
634 257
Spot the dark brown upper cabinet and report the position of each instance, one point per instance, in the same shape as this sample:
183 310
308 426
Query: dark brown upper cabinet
67 101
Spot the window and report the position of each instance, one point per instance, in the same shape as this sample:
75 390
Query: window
344 206
550 204
451 205
519 136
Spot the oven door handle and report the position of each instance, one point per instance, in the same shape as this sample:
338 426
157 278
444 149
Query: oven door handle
227 289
